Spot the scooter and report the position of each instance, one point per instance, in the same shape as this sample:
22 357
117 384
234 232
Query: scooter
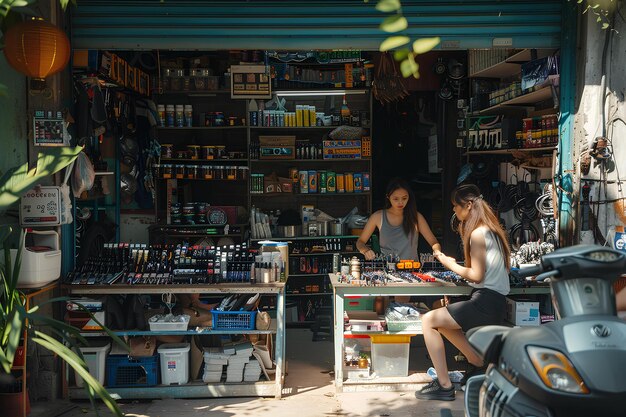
574 366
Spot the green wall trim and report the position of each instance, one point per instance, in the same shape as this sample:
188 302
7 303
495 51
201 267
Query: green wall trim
565 174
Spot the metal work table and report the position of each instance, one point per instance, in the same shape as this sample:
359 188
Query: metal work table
342 290
198 389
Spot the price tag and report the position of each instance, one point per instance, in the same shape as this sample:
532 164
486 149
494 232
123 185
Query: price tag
41 206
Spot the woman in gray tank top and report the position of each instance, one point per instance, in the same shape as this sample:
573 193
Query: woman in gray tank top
399 225
486 268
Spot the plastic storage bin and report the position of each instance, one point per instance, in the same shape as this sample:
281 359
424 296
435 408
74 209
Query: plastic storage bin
390 355
41 258
95 358
174 363
234 320
123 371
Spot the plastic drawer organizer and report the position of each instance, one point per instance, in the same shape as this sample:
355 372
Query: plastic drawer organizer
234 320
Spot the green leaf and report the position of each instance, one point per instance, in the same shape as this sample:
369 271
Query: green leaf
599 19
580 1
13 332
21 180
393 42
409 67
605 25
3 90
400 54
595 6
424 45
388 5
394 23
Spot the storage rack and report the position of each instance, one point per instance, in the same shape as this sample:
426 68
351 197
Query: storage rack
198 389
343 290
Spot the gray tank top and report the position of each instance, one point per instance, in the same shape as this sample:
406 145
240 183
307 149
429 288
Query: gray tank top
393 240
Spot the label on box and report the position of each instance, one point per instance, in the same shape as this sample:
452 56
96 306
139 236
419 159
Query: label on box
41 207
523 313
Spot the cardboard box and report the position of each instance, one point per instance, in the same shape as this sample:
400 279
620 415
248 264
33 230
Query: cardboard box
277 147
522 312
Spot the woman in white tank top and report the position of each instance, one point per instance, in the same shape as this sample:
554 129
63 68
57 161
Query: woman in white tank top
487 255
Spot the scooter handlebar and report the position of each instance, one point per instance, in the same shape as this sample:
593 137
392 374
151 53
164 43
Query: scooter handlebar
530 271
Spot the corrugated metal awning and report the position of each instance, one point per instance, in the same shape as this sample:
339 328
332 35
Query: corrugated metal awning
301 25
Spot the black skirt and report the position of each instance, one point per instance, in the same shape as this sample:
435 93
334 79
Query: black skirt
484 307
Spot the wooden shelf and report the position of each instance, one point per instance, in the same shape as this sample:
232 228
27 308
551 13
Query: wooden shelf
298 161
208 161
202 128
308 238
198 331
500 70
191 390
525 55
301 127
291 195
509 151
525 100
511 65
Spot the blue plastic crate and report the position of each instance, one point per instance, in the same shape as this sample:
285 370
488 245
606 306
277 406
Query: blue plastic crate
123 371
234 320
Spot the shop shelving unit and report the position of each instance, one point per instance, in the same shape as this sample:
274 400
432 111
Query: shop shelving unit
198 389
343 290
29 296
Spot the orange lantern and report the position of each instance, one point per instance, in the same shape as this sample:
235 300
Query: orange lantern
36 48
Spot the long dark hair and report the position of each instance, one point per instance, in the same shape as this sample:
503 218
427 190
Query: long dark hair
480 215
409 214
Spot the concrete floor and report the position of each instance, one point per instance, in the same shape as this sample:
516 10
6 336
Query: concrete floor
308 392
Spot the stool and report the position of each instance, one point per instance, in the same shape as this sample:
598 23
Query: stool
323 324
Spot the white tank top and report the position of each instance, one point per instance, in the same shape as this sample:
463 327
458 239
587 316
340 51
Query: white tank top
496 274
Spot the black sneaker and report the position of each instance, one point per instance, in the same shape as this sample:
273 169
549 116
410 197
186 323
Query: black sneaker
473 371
434 391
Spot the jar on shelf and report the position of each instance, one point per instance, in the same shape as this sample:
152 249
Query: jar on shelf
218 172
201 78
231 173
179 171
177 79
181 154
220 120
232 121
166 76
220 152
167 150
243 172
192 171
193 151
208 152
207 172
167 171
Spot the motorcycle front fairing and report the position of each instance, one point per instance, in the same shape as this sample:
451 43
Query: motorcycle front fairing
597 354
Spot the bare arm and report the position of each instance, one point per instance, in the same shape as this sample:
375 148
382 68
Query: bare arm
478 255
428 234
370 227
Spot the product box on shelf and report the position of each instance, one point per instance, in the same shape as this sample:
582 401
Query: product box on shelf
83 320
342 149
95 357
277 147
522 313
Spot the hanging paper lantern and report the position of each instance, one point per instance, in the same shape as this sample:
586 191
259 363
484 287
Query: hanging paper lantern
36 48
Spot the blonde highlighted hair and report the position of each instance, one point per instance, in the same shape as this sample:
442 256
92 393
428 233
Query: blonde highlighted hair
480 215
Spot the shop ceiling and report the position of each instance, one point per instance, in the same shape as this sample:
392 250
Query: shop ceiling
302 25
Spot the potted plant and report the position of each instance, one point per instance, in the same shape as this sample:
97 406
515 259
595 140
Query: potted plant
14 318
